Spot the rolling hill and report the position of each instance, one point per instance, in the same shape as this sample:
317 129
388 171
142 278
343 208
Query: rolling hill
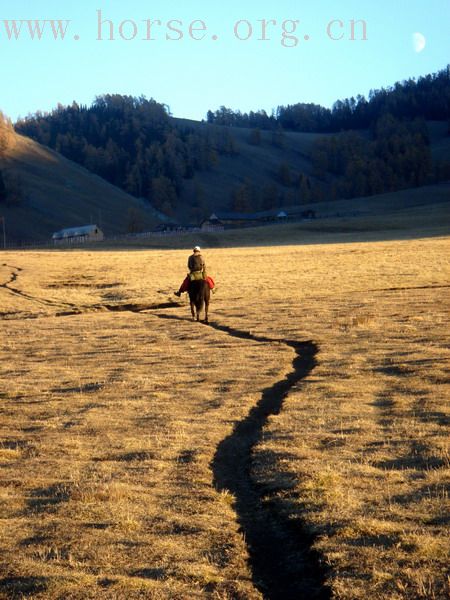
258 163
408 214
182 170
426 206
58 193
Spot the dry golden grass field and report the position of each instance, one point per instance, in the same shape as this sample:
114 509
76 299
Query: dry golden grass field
295 448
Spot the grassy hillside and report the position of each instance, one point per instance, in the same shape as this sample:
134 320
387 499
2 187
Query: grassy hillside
259 163
58 193
420 212
440 139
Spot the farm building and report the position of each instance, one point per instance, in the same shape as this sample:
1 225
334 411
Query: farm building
235 219
168 228
78 235
212 224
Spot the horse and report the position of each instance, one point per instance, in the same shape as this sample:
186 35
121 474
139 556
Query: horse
199 296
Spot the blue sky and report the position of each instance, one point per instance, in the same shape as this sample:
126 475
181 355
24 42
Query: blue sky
192 76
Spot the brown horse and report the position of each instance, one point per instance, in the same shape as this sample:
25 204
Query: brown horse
199 295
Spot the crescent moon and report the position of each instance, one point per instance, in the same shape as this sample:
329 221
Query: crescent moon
419 42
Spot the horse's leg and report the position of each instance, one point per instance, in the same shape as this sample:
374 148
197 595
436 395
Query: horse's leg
207 296
206 309
193 310
199 304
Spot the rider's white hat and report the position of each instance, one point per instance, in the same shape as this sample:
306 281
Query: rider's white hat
196 248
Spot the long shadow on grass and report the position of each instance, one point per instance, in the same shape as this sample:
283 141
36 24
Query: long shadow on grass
283 565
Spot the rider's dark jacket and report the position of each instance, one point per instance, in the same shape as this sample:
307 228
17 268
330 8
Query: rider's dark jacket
196 262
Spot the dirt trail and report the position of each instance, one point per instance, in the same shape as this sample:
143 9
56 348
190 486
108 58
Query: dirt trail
283 565
15 271
67 309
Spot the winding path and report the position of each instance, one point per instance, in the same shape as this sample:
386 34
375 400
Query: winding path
283 565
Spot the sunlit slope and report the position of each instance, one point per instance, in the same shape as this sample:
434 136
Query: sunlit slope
58 193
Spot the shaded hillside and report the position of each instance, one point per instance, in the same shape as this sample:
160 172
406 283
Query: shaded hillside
187 169
131 143
408 214
266 173
184 169
288 168
46 177
50 192
439 132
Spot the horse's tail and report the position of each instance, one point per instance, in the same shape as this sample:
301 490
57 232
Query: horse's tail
199 293
203 295
199 301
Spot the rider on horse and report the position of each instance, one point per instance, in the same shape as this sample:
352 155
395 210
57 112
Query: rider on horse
197 270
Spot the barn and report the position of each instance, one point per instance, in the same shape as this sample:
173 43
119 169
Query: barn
212 224
235 219
78 235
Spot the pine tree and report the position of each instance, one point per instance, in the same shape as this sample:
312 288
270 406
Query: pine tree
163 195
269 196
304 189
278 138
244 197
284 174
134 221
254 137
